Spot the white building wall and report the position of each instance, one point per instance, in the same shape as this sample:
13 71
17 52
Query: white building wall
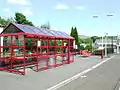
1 29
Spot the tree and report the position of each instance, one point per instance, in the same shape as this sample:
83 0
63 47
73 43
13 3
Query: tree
74 34
2 21
88 47
87 40
47 25
21 19
6 21
94 38
10 20
82 47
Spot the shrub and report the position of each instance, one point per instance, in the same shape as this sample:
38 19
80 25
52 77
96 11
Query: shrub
98 52
82 47
88 47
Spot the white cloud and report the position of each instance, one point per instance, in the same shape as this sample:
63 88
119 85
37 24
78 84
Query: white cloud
27 12
61 7
20 2
80 7
6 10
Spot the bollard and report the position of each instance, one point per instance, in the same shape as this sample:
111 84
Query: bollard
102 54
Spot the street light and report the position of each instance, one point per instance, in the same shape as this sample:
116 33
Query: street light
106 44
111 15
96 16
117 43
108 15
112 45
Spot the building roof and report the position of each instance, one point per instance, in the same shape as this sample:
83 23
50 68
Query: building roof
42 31
108 41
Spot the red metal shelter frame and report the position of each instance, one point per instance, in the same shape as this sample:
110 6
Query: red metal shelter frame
42 57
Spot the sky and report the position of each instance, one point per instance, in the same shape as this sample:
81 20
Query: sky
63 14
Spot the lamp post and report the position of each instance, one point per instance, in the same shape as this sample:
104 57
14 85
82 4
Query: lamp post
111 15
95 17
118 44
106 44
108 15
112 45
102 42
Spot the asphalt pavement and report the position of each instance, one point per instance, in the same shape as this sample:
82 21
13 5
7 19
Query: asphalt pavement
104 77
43 80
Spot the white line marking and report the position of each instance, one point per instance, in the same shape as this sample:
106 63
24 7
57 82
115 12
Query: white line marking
97 65
55 87
83 76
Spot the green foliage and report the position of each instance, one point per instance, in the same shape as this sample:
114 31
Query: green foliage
97 50
52 43
47 25
94 38
59 50
82 47
2 21
58 42
112 37
21 19
28 43
74 34
80 40
6 21
87 41
109 51
10 20
88 47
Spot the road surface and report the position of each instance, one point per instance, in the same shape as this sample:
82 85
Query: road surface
43 80
104 77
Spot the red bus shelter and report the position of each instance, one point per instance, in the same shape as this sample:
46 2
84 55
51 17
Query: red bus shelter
23 46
